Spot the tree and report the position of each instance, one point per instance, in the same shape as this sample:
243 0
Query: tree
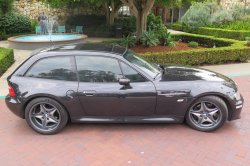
6 6
115 6
72 4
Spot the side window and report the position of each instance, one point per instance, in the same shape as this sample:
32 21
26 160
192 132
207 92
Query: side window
131 74
98 69
56 68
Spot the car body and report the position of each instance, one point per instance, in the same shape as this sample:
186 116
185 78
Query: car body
165 97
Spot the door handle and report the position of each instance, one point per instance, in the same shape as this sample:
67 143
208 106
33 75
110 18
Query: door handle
89 92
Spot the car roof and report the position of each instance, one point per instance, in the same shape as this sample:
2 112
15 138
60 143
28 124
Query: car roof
87 47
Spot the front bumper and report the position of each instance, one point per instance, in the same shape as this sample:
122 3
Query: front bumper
237 108
14 106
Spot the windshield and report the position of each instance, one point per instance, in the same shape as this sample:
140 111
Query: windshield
148 67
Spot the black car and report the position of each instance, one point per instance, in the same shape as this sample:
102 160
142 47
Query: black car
107 83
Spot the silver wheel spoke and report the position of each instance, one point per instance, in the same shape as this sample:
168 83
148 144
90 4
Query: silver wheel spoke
46 119
213 112
203 116
211 120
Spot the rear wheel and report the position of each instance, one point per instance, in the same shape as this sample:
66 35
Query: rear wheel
46 116
207 113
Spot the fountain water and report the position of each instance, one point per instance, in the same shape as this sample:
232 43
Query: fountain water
50 24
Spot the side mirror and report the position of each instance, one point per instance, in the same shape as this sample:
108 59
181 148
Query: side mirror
124 81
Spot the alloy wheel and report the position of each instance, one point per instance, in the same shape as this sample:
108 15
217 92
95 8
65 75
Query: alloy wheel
205 114
44 116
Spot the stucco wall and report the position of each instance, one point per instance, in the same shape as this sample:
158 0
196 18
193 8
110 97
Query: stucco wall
32 9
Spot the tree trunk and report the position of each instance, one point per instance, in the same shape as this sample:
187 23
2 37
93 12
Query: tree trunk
140 25
107 12
112 18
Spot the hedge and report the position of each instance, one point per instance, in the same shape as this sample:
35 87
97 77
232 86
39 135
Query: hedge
6 59
227 50
216 32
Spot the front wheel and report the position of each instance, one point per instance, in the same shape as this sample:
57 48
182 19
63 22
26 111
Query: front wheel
207 113
45 115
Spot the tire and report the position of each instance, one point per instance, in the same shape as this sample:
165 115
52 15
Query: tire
202 114
45 115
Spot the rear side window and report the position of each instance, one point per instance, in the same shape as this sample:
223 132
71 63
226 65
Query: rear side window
98 69
56 68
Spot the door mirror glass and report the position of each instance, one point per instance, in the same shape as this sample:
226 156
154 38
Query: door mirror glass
124 81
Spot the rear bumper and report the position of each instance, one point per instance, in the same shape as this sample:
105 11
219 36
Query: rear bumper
14 106
236 110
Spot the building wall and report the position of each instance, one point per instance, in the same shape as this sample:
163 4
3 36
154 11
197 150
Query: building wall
228 3
33 9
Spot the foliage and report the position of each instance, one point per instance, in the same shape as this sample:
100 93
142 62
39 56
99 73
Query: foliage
229 51
155 24
247 38
193 44
216 32
221 17
34 23
172 45
128 25
167 39
6 59
14 23
198 15
234 25
128 41
6 6
149 38
87 21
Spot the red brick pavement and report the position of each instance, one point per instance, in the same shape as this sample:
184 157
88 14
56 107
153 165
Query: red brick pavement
127 144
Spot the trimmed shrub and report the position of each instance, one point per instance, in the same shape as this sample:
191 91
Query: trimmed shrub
226 51
14 23
6 59
216 32
193 44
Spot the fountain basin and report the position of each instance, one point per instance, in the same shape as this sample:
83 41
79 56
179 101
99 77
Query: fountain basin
32 42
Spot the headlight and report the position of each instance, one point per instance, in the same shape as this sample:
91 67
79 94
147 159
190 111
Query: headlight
237 95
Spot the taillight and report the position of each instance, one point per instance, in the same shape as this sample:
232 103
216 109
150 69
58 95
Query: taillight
11 91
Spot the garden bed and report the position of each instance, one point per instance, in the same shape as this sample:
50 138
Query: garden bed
160 48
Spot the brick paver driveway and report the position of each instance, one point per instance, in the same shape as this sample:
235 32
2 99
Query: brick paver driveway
127 144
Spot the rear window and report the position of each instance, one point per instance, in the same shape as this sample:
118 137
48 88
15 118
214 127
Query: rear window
56 68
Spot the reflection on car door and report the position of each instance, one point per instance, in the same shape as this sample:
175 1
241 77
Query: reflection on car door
101 94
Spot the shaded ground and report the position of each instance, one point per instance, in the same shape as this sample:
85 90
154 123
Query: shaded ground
127 144
159 48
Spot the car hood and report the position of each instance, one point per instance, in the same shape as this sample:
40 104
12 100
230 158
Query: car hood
187 73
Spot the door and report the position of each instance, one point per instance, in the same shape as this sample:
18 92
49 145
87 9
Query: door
101 94
160 11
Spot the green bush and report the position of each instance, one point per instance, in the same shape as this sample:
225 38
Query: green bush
247 38
6 59
166 38
198 15
155 24
193 44
93 21
128 25
229 51
150 38
6 6
34 23
128 41
14 23
216 32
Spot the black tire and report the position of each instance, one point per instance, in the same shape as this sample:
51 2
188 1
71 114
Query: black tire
213 101
33 122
